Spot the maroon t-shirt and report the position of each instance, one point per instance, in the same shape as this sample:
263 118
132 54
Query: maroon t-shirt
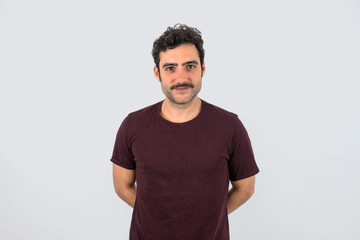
183 171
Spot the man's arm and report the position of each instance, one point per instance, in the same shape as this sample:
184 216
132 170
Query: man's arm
240 192
124 184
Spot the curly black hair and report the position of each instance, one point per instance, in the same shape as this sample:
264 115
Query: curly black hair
175 36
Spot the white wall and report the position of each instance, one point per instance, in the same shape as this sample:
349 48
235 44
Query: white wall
70 71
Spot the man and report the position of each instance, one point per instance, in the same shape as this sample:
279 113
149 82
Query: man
182 152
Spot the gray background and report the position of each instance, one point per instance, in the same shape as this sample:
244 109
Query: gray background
70 72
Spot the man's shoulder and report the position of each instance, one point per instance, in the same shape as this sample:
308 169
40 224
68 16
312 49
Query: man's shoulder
228 121
220 112
142 115
145 110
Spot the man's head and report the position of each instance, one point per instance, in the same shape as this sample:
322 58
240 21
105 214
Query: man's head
179 58
176 36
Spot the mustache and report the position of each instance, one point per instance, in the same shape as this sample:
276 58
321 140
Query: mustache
182 85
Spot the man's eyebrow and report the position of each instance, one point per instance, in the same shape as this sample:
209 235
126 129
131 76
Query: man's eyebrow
175 64
191 62
169 65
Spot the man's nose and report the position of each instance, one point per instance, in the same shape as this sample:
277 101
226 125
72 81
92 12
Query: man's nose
180 74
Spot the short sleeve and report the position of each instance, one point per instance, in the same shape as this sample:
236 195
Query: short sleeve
242 162
122 154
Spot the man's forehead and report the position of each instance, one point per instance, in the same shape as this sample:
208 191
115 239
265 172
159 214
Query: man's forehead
180 54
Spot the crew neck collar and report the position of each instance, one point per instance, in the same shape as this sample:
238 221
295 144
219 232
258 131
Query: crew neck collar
190 122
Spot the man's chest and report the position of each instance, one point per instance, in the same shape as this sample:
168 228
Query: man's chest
190 154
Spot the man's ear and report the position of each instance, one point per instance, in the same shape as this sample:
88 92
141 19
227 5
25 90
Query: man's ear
157 73
203 69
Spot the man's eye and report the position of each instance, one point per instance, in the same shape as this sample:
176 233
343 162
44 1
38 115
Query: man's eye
169 68
190 67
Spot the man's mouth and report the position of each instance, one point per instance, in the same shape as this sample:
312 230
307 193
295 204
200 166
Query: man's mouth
182 86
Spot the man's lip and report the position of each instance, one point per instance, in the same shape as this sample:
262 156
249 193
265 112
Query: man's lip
181 88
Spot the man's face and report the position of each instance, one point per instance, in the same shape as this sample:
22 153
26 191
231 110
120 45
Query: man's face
180 73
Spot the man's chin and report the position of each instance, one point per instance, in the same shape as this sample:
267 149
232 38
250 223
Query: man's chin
182 102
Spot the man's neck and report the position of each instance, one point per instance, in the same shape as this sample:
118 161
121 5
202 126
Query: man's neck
179 113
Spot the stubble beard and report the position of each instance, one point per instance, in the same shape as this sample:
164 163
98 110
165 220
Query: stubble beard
195 89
